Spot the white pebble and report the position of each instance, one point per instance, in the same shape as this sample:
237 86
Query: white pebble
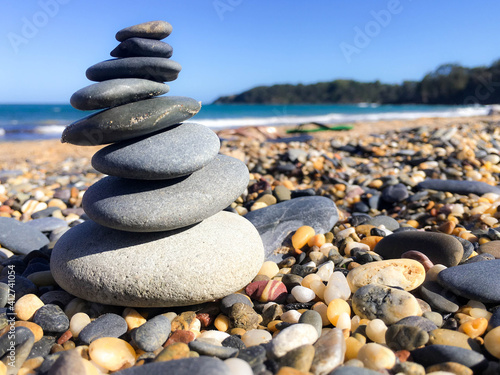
78 322
256 337
218 336
326 270
375 330
432 273
337 287
345 233
238 366
344 321
303 294
377 357
292 337
291 316
309 264
476 304
325 249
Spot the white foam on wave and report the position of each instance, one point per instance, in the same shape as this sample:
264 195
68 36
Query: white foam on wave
335 118
49 129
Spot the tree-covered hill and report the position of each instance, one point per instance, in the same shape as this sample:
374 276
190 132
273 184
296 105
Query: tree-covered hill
448 84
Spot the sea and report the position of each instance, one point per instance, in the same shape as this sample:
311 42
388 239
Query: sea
21 122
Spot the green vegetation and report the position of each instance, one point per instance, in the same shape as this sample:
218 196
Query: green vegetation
448 84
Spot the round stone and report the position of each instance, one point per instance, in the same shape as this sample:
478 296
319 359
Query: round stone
115 92
142 47
492 342
381 302
376 357
26 306
130 120
151 68
477 281
89 249
171 153
152 30
492 247
154 206
152 334
440 248
19 237
228 301
107 325
313 318
51 318
292 337
407 274
403 337
111 353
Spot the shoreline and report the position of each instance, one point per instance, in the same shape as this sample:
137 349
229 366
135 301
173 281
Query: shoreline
17 154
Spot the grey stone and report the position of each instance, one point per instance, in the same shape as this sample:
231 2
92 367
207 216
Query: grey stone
19 237
329 352
23 341
228 301
282 193
130 120
495 319
58 297
434 354
44 213
4 294
313 318
478 281
107 325
152 68
387 221
275 223
419 322
440 248
205 348
42 347
21 286
405 337
190 273
187 366
47 224
137 47
351 370
115 92
459 187
170 153
492 247
153 206
51 318
69 362
439 298
395 193
151 30
152 334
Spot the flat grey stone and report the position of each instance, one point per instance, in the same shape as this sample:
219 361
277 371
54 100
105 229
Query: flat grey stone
136 47
204 262
130 120
152 334
275 223
153 206
440 248
434 354
151 30
186 366
152 68
387 221
458 186
171 153
205 348
478 281
115 92
107 325
47 224
19 237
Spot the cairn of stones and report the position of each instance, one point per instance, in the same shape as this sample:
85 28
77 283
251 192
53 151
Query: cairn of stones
157 234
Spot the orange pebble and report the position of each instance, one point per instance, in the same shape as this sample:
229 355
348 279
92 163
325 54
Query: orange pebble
317 240
413 223
474 328
302 236
371 241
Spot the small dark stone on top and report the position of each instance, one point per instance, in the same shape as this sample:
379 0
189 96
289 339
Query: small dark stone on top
151 30
303 271
137 47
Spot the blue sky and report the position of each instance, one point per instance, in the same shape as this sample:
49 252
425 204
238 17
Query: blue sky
227 46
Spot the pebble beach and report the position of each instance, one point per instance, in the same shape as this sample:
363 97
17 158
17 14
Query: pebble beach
381 256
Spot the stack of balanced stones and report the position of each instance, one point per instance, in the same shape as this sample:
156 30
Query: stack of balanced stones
157 235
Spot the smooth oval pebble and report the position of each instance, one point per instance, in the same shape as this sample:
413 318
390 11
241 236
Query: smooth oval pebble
337 287
492 342
111 353
302 236
152 334
292 337
115 92
78 322
127 159
142 47
130 120
205 348
107 325
329 352
402 337
434 354
26 306
407 274
238 366
303 294
376 357
51 318
313 318
151 29
256 337
151 68
385 303
177 203
267 291
89 249
438 247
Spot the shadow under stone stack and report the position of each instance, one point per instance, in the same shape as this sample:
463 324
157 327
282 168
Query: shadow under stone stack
157 235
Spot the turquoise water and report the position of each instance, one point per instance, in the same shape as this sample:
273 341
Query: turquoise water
45 121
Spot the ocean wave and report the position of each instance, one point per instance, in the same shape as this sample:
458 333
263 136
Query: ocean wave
335 118
49 129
